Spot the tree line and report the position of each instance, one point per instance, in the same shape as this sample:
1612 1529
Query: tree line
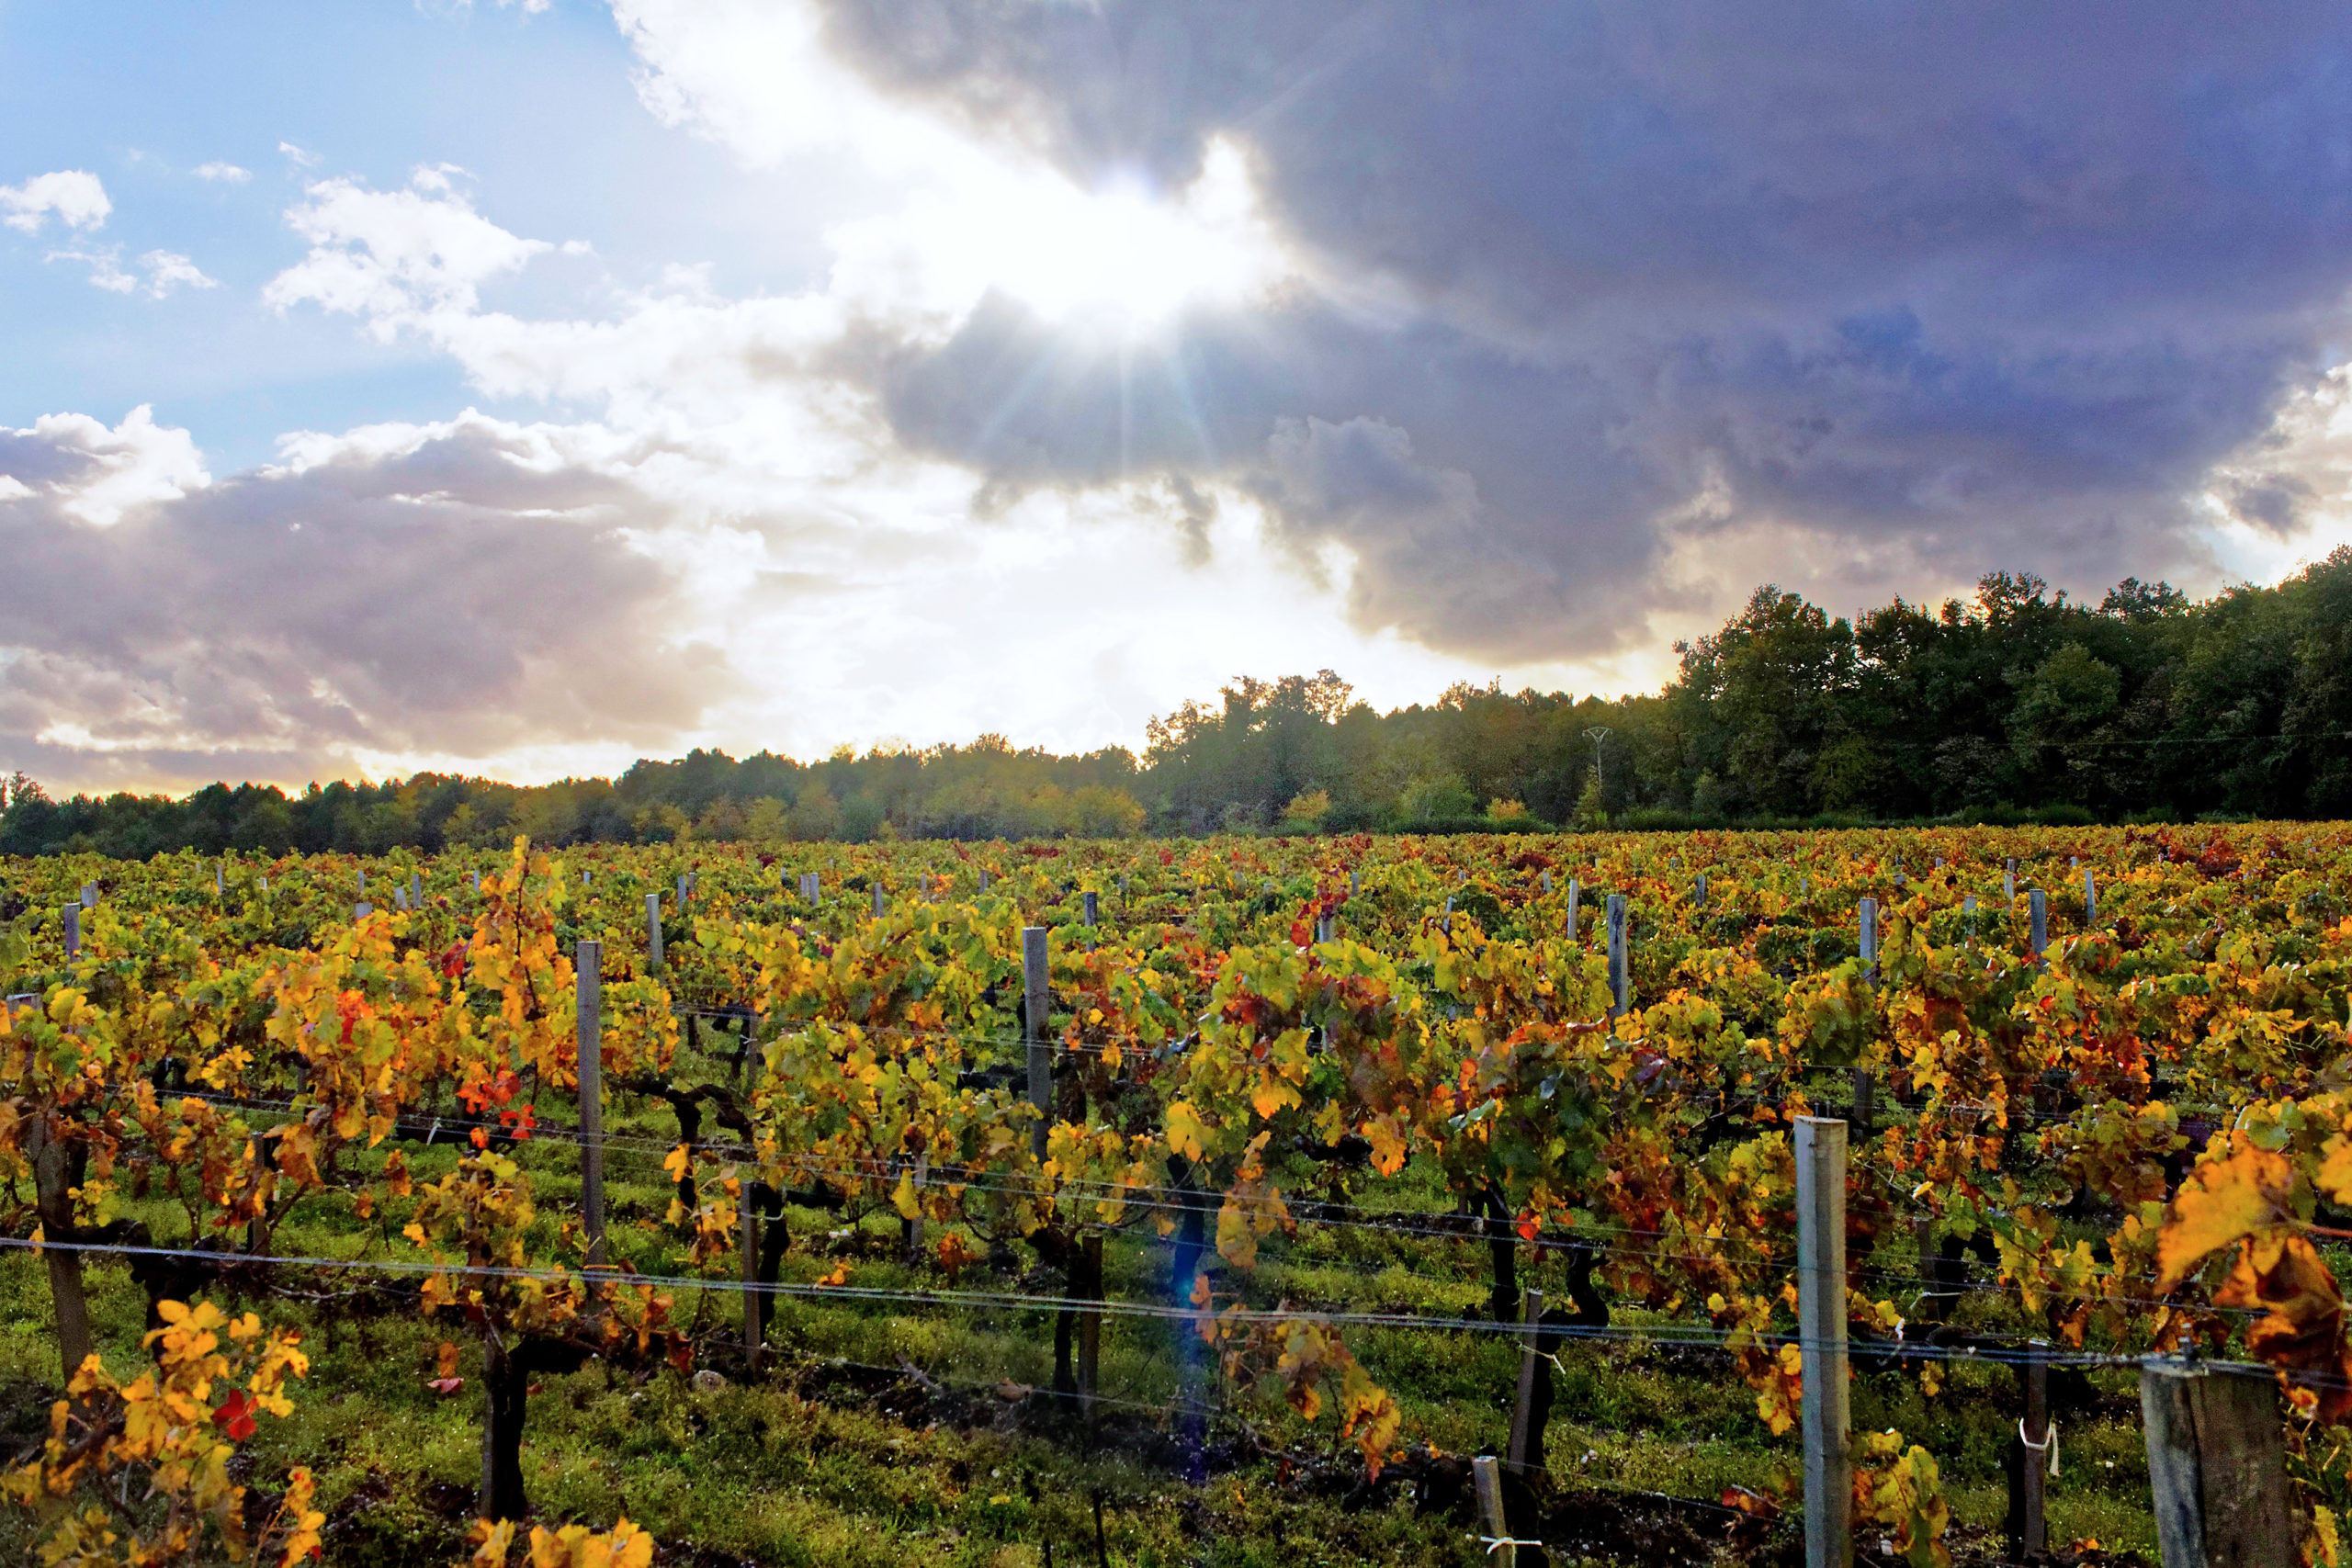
2017 703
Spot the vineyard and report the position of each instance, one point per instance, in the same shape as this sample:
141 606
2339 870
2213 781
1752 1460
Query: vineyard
1216 1202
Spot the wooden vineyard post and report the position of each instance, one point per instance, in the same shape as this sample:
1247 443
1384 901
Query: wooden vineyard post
1968 908
1865 1117
2217 1466
587 960
53 1201
1870 942
2090 899
2038 922
1089 1324
1821 1341
984 879
1352 885
72 917
1490 1512
1523 1412
1576 892
1619 981
2010 881
2029 1458
877 900
653 930
1035 1002
1089 906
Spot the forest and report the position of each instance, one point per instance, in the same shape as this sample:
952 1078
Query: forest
2018 704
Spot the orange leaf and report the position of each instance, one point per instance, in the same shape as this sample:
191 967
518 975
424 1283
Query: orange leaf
2282 1274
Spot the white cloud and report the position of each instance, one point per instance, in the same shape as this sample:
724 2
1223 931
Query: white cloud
106 267
97 475
227 174
76 196
167 270
300 156
397 257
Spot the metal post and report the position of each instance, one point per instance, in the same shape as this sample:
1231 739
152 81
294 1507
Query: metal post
749 1243
1620 983
588 959
1034 1003
1821 1340
1524 1410
2090 899
2037 934
2217 1466
653 930
1869 941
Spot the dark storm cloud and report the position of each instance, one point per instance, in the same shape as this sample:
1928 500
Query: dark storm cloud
1990 285
470 596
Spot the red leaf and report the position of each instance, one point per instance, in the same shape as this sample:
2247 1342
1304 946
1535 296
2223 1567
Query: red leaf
235 1416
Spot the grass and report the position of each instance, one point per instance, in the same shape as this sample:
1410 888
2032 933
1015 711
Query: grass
810 1467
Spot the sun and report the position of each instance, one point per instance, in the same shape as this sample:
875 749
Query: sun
1116 255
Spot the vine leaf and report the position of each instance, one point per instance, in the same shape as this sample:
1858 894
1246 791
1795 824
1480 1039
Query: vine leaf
2223 1202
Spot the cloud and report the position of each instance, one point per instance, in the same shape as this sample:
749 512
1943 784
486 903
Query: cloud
301 157
75 197
1878 303
227 174
167 270
462 589
397 257
105 263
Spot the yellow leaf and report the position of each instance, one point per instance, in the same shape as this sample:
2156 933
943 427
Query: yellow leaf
1186 1133
2222 1202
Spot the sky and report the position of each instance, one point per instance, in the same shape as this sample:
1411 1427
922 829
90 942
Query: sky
521 389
